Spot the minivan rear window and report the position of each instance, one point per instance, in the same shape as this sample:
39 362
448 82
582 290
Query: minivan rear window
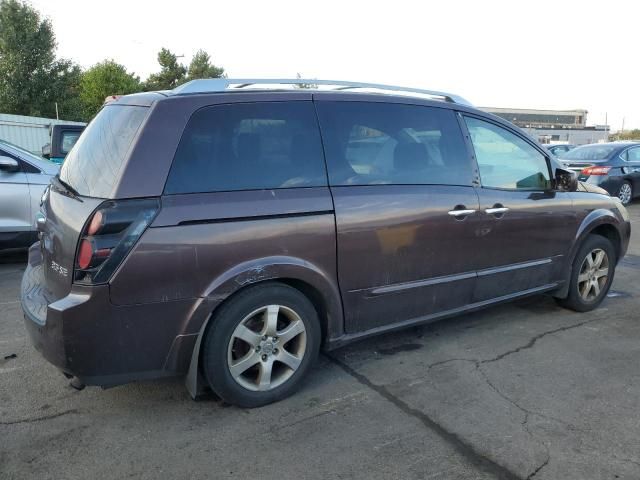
93 165
249 146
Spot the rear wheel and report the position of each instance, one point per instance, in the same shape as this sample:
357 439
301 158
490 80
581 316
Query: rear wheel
591 275
261 345
625 194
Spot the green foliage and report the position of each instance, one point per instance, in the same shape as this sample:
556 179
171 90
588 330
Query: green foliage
104 79
201 67
171 72
626 135
31 79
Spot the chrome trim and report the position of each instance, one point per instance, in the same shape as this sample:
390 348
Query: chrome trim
493 211
209 85
460 213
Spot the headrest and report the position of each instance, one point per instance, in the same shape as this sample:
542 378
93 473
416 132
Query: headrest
410 156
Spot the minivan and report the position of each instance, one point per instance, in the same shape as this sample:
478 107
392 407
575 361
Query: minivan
228 230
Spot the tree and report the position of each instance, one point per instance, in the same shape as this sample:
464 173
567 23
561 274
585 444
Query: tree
201 67
171 72
32 81
104 79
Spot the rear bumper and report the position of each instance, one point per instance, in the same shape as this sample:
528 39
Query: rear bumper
85 335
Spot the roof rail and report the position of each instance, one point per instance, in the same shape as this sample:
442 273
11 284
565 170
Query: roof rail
210 85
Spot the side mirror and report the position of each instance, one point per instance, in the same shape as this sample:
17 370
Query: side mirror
46 151
9 165
566 180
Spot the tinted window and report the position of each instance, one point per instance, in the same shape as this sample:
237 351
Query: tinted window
506 160
386 143
93 164
249 146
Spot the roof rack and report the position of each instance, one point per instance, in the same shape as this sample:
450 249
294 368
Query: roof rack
210 85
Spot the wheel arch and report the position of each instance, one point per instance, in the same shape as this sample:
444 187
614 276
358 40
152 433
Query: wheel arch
601 222
318 286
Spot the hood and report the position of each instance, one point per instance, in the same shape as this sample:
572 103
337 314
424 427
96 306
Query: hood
587 187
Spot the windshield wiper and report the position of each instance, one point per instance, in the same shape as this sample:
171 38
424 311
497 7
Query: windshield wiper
64 188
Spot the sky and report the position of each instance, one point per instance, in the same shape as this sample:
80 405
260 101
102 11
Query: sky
560 54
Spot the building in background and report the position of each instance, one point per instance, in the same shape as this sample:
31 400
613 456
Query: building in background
554 126
30 133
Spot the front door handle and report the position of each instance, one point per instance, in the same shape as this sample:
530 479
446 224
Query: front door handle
496 210
461 213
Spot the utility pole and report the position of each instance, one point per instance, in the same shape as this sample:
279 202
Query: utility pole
57 117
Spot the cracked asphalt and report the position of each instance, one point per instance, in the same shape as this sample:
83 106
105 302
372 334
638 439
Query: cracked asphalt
519 391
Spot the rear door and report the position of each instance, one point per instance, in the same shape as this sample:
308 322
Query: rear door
406 219
527 227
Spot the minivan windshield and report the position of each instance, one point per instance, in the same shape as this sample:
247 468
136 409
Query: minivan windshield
93 165
590 152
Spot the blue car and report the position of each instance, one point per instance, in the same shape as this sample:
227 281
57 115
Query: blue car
612 166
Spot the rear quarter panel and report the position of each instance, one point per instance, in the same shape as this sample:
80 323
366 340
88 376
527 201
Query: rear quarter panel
207 246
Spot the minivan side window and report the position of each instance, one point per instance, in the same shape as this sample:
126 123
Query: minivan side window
505 160
369 143
249 146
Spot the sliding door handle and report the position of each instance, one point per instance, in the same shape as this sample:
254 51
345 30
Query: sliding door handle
496 210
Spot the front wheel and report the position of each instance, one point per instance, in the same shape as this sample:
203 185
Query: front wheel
591 274
261 345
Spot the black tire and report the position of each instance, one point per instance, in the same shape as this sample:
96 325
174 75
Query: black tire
219 347
627 198
576 300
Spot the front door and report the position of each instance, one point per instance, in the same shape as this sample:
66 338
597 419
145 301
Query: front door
528 227
406 211
15 203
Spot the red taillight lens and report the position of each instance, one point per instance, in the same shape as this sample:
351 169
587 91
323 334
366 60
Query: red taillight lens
85 254
96 223
109 236
596 171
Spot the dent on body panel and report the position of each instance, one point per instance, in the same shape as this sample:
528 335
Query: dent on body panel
192 261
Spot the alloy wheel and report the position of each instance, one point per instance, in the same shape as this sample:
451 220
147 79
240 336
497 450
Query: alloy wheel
266 348
625 193
594 274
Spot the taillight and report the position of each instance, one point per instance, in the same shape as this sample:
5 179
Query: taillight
595 171
109 235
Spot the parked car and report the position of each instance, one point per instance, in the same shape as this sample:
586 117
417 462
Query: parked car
23 178
62 139
559 150
614 167
227 234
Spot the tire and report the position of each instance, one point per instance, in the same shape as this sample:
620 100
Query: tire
625 193
241 361
583 296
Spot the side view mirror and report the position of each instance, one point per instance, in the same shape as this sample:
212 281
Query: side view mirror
46 151
566 180
9 165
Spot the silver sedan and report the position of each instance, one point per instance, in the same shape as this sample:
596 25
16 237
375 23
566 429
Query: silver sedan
23 178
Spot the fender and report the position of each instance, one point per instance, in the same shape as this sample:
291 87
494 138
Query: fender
594 219
241 276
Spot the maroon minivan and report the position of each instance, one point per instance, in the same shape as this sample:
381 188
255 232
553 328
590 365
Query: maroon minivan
227 232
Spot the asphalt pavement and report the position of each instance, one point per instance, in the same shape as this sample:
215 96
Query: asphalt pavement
519 391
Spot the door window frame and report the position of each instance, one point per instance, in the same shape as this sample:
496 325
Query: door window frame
472 151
